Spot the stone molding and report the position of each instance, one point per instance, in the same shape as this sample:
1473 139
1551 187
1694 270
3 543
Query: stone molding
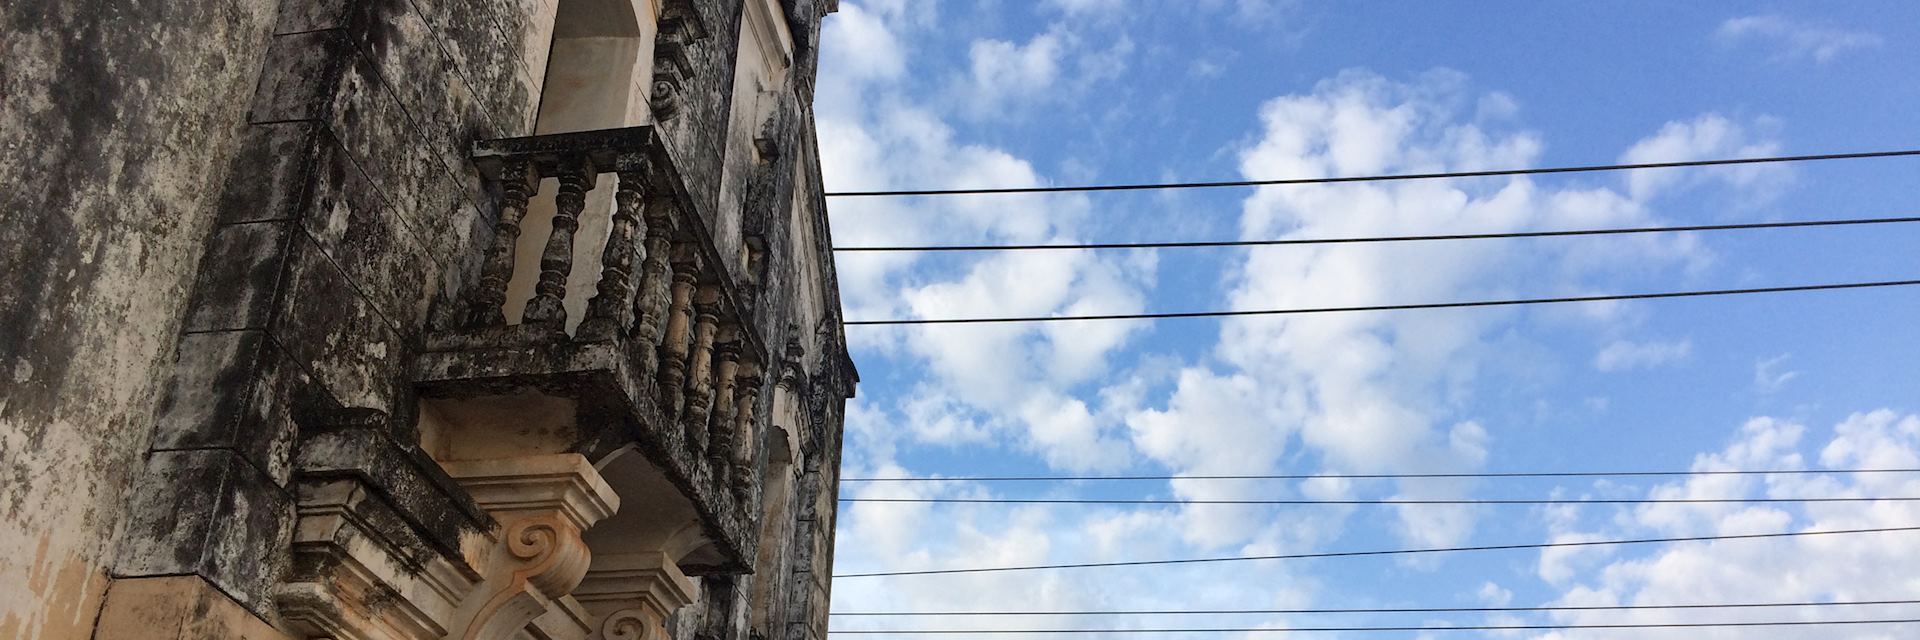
363 574
543 503
562 483
632 594
354 580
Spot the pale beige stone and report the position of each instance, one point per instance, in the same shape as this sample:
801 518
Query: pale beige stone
543 503
177 608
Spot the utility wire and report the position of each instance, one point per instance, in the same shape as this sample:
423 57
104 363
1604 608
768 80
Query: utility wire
1390 552
1399 307
1396 476
1385 177
1179 612
1486 627
1388 501
1374 239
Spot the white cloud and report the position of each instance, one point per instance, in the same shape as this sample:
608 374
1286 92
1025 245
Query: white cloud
1058 66
937 418
1495 595
1710 136
1068 436
1811 568
864 47
1384 391
1216 425
1264 13
1624 355
920 536
1088 7
984 385
1003 71
1793 40
1560 564
1380 392
1769 376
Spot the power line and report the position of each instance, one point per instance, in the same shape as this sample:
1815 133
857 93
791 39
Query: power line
1389 552
1394 476
1387 501
1177 612
1486 627
1375 239
1399 307
1384 177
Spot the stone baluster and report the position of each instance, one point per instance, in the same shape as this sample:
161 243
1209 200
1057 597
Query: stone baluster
746 427
611 311
518 181
656 283
673 348
706 323
556 262
720 430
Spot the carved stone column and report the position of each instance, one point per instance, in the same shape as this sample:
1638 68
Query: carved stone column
746 427
655 286
611 311
673 349
720 431
542 503
631 595
518 181
556 261
706 322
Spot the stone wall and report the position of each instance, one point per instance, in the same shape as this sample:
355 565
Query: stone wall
117 118
348 210
241 221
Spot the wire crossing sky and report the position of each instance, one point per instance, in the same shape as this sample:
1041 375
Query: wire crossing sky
1616 297
1399 476
1719 162
1466 256
1179 612
1492 627
1388 501
1389 552
1798 224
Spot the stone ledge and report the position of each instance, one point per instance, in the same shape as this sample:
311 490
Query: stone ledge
417 488
616 410
562 482
359 570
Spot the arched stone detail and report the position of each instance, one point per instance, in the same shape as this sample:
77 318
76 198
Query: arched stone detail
635 579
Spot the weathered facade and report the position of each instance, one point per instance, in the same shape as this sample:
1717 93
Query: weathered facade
369 319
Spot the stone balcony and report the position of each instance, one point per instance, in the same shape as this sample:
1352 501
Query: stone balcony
658 383
572 473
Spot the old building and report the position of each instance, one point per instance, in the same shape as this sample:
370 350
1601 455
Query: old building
368 319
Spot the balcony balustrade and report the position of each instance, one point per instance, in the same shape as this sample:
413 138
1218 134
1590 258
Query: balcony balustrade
664 359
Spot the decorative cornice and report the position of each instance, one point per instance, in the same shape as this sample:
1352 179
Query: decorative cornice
358 576
562 482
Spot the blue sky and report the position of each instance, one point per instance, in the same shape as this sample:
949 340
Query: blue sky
979 94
